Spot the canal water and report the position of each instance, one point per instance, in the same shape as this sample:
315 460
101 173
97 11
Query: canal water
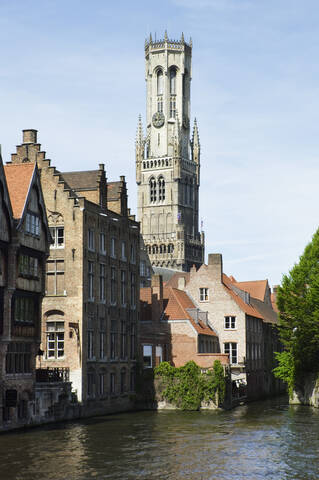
263 440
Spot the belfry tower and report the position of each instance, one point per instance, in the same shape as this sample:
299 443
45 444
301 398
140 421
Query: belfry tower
167 160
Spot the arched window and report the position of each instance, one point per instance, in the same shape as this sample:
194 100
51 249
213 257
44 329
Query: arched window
152 190
172 81
161 189
160 82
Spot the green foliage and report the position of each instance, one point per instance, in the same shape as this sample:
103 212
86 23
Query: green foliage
298 304
187 387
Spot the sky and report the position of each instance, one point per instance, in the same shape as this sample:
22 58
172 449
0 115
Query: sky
74 70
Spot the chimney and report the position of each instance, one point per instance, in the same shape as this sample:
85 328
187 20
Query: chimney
181 283
101 166
215 265
157 286
30 136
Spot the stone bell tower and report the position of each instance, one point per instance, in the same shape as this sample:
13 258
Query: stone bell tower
167 160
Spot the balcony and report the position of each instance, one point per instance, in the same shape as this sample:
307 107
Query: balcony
51 374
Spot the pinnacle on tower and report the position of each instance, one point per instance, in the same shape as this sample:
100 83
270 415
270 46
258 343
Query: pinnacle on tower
139 133
165 36
182 38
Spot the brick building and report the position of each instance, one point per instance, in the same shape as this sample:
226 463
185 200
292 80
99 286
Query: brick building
90 311
173 329
243 317
24 247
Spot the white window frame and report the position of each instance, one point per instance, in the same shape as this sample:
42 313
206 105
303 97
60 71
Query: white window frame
204 294
230 322
229 349
57 234
55 339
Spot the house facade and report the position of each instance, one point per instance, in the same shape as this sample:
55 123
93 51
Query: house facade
242 315
91 306
24 247
173 329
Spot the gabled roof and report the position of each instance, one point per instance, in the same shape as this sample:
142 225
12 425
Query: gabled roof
247 308
256 288
176 309
175 303
87 180
18 180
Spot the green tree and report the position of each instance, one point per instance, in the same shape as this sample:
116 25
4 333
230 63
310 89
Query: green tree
298 304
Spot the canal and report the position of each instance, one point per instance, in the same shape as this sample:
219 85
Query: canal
263 440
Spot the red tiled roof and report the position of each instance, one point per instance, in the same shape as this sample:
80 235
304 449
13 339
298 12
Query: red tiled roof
18 180
173 281
256 288
176 302
249 309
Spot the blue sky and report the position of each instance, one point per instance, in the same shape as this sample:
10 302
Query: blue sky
74 70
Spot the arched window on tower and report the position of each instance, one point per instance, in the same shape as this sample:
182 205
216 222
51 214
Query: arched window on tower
161 189
172 90
152 190
160 91
160 82
172 81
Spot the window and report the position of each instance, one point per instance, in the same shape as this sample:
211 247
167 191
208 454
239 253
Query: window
158 355
113 247
113 286
113 340
172 81
18 358
172 107
102 377
133 290
152 190
32 224
231 350
133 258
102 282
91 281
91 239
55 339
55 277
123 287
123 340
142 268
90 344
90 384
28 266
230 322
160 104
123 251
102 243
57 234
203 294
160 82
123 380
132 341
25 309
102 338
147 356
112 383
161 189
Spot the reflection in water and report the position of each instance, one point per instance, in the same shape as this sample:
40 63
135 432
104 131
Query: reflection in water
264 440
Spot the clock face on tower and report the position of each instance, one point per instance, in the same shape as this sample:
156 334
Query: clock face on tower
158 119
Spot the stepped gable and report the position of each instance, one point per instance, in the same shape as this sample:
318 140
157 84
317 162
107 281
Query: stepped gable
114 190
18 179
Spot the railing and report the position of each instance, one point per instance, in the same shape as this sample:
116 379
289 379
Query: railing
51 374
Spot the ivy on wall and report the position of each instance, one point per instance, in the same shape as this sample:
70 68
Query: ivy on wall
187 387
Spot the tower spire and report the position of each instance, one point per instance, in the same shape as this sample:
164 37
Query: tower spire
195 148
